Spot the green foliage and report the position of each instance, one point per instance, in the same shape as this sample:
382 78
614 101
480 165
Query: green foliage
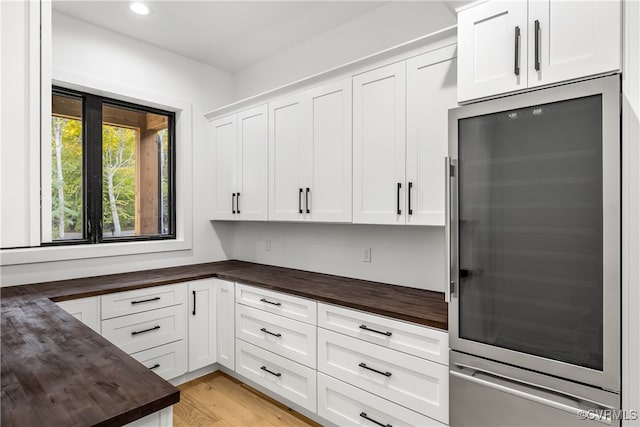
118 157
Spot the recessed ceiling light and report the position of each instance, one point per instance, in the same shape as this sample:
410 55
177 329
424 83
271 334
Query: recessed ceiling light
139 8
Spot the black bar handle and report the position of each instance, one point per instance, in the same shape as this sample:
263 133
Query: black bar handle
364 365
516 65
277 374
364 415
145 300
537 44
156 366
270 333
399 211
233 203
300 200
238 203
409 196
270 302
306 200
366 328
194 303
145 330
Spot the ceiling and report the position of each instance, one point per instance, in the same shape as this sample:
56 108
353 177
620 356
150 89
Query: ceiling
229 35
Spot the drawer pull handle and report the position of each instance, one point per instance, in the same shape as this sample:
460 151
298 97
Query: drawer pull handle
270 333
364 415
270 302
366 328
277 374
156 366
145 330
145 300
364 365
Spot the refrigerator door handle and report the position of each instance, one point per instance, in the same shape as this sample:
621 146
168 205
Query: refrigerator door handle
589 409
448 284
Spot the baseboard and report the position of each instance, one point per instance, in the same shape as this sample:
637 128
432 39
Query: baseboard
194 375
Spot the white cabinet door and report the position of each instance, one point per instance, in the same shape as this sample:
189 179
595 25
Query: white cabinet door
286 130
87 310
253 185
573 38
431 91
226 166
379 145
492 58
328 176
225 321
202 323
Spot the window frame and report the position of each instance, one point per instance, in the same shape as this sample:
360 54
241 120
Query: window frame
92 169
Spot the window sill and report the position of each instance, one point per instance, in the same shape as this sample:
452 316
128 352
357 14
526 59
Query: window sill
75 252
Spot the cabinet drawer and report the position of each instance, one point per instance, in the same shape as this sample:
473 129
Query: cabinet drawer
346 405
410 381
290 380
168 361
420 341
142 331
139 300
289 338
285 305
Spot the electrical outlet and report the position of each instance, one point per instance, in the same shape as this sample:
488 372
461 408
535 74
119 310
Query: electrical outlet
366 255
267 245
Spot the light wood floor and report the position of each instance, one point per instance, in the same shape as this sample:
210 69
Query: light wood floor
219 400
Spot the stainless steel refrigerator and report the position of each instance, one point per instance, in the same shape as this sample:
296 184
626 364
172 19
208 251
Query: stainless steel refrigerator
533 248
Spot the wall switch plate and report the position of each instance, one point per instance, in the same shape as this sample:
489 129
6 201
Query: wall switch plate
267 245
366 255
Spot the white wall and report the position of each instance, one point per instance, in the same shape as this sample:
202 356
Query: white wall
403 255
87 55
382 28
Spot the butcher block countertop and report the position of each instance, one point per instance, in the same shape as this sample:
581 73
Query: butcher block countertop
58 372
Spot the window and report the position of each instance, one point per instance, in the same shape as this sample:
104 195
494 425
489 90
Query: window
112 171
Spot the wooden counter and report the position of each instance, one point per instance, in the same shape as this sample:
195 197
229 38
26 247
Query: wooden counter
56 371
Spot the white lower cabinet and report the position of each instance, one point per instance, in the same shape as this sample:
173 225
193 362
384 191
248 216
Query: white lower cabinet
346 405
202 323
168 361
289 379
402 378
162 418
225 320
86 310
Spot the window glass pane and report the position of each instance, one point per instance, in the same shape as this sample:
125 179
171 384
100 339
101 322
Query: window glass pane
136 174
67 209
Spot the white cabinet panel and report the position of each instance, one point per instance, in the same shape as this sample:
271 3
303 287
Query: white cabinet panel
285 305
492 58
379 145
168 361
87 310
225 320
226 166
162 418
420 341
202 323
139 300
431 91
575 38
289 379
346 405
404 379
145 330
286 337
253 145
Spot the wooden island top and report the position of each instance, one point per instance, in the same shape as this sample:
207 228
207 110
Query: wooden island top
58 372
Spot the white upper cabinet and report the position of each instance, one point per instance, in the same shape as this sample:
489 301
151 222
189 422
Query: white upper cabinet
492 38
431 91
573 39
379 145
310 155
241 144
507 46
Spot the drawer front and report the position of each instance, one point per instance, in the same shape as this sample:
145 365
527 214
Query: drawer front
289 379
410 381
142 331
421 341
168 361
285 305
346 405
139 300
289 338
